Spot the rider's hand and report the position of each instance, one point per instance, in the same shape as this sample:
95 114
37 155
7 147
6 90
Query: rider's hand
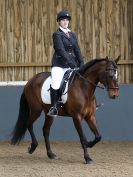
72 66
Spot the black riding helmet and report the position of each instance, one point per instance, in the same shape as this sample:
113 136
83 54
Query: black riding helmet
64 14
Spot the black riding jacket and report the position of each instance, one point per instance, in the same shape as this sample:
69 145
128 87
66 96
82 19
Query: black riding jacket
67 51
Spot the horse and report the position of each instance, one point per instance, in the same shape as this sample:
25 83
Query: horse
81 103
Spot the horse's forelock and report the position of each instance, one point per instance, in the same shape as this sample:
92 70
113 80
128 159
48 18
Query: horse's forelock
113 62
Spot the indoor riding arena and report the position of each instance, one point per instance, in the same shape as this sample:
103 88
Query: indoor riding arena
103 28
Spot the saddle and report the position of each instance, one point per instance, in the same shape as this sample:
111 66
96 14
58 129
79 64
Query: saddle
64 87
68 76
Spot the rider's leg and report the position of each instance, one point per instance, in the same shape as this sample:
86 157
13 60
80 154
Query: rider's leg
54 95
57 75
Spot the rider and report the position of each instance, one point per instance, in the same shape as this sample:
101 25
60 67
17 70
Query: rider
67 55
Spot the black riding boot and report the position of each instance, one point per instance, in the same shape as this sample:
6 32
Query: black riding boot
54 94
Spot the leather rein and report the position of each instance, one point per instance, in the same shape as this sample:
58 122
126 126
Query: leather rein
101 87
89 81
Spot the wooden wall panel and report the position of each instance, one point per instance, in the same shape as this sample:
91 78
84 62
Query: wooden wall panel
103 27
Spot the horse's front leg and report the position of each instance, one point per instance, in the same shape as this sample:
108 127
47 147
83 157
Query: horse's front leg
78 126
91 121
46 131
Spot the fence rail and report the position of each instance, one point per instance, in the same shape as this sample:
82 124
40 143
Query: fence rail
48 64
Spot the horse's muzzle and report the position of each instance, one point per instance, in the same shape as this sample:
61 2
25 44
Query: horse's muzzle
113 93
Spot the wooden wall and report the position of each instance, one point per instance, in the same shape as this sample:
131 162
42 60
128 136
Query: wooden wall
103 27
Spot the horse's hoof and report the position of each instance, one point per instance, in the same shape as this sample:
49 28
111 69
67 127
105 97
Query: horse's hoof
89 161
32 148
51 155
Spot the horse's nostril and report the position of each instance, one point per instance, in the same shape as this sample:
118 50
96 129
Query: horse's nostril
113 96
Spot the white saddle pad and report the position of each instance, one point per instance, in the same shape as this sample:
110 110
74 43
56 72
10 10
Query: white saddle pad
45 92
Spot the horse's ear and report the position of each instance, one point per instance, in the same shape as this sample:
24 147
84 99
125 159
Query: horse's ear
117 59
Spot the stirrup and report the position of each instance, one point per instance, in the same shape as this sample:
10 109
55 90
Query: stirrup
53 112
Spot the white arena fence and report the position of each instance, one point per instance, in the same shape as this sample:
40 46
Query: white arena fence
13 83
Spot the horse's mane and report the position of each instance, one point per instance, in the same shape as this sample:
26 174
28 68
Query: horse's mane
89 64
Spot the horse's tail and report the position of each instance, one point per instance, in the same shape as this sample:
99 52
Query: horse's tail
22 122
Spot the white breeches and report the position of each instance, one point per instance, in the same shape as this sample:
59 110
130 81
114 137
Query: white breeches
57 74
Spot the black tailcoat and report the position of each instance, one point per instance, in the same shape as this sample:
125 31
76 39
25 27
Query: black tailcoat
67 51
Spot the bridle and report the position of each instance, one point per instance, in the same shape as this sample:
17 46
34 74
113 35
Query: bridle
108 69
76 72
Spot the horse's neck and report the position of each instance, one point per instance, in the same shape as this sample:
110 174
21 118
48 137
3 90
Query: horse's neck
91 76
88 83
93 72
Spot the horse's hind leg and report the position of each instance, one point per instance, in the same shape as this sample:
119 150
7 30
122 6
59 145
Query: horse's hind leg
46 131
91 121
34 144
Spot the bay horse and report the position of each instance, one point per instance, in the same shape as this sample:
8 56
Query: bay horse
81 103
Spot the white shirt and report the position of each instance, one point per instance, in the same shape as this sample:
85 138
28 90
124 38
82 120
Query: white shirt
65 30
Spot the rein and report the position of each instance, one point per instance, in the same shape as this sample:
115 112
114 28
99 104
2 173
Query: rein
80 76
76 71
